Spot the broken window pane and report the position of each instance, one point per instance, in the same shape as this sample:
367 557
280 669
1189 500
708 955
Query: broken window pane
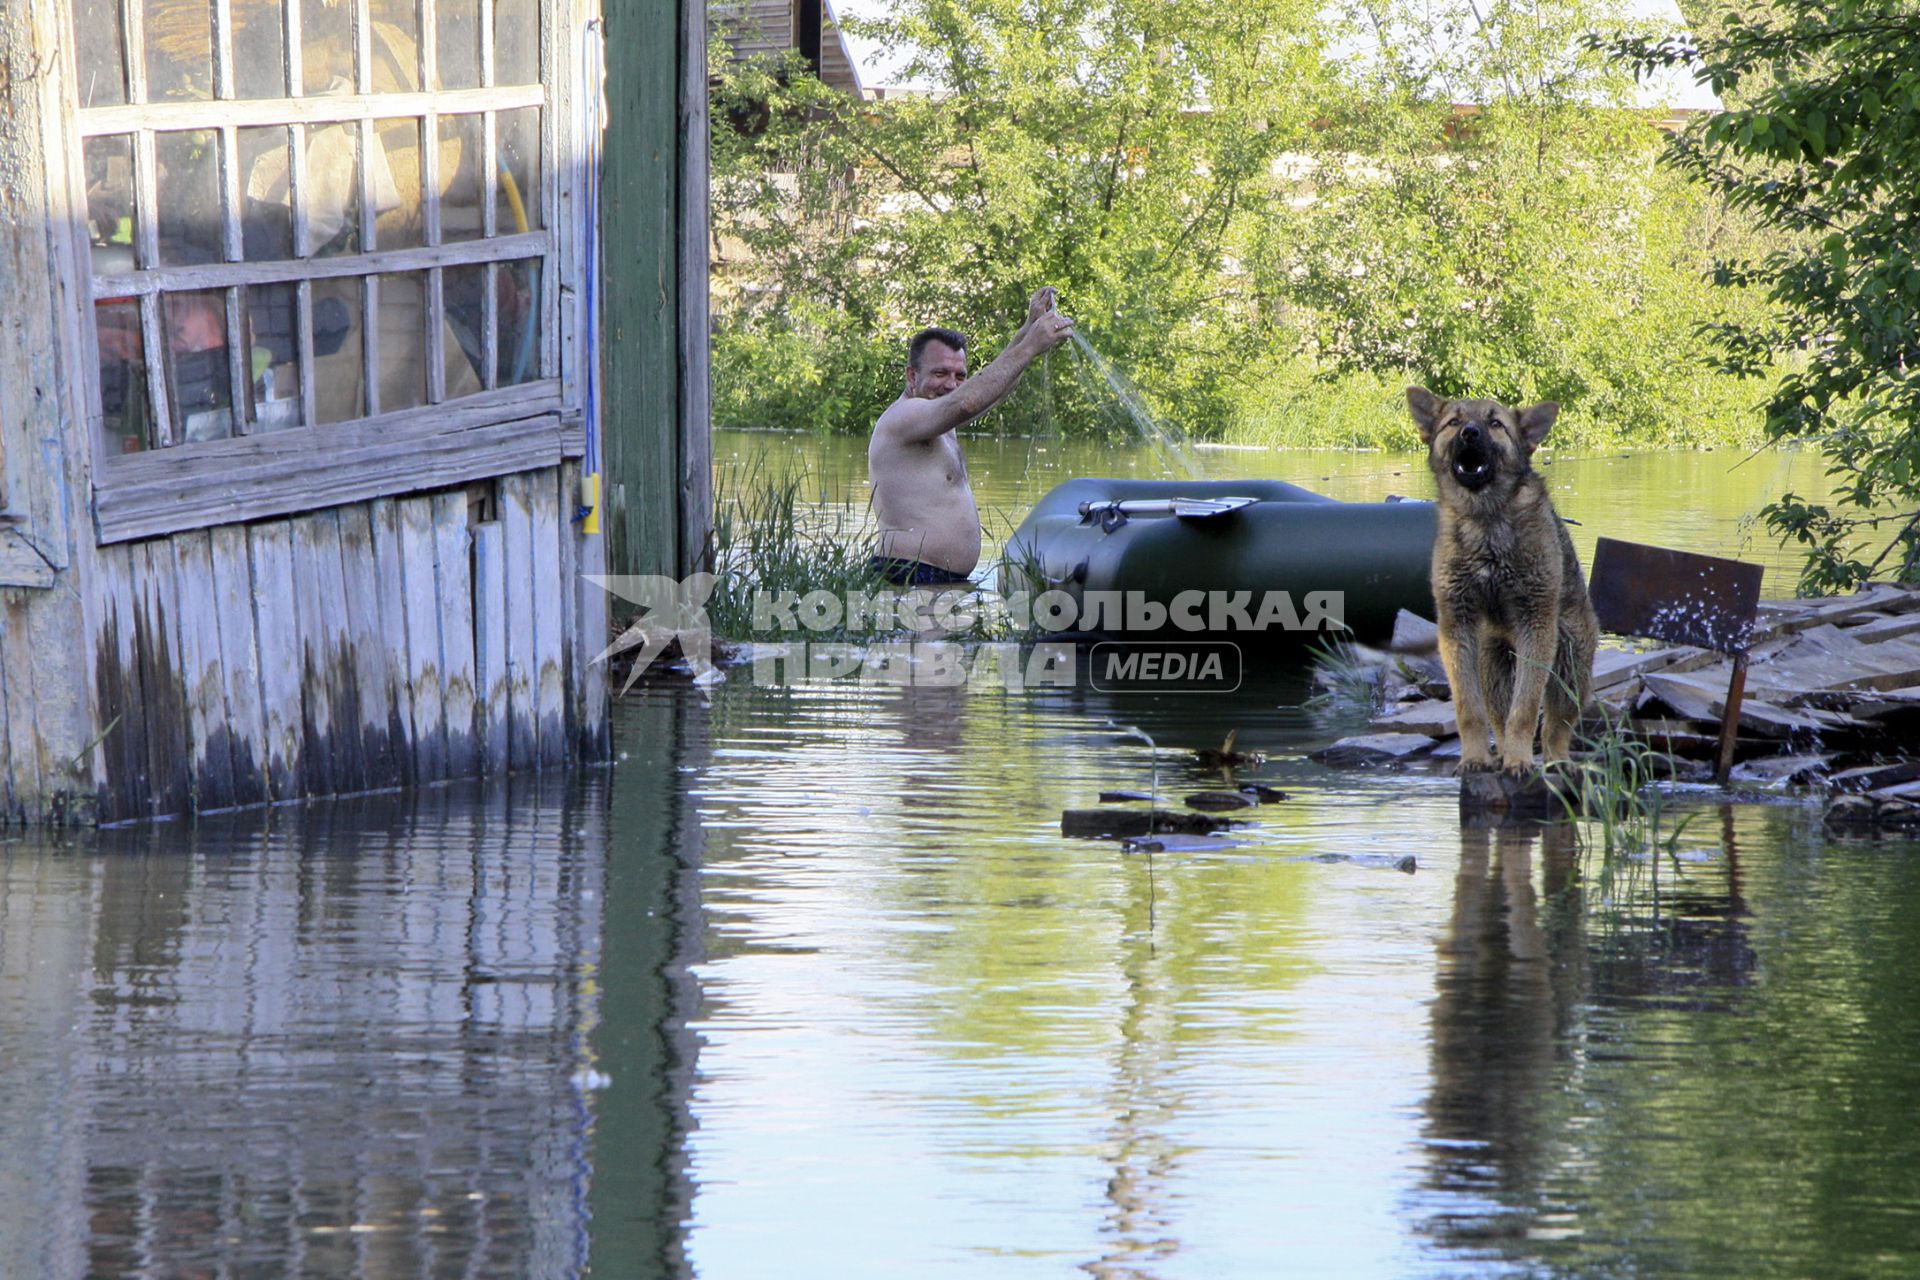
109 163
339 364
273 355
516 41
259 49
179 38
517 291
403 338
463 296
326 46
199 384
462 170
101 52
124 416
188 197
332 196
266 218
458 43
519 158
396 45
400 221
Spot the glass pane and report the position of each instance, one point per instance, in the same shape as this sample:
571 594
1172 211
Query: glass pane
100 51
462 161
333 190
519 155
396 45
458 43
401 220
199 385
517 286
403 337
259 49
188 193
109 163
273 355
516 41
326 46
123 377
339 365
266 218
179 36
462 293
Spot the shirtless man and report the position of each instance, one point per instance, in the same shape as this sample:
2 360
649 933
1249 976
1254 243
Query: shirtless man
929 526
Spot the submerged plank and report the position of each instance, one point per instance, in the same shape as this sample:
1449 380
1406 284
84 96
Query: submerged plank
277 625
123 716
516 527
390 579
239 661
202 670
162 688
454 567
549 637
24 782
420 587
490 645
370 658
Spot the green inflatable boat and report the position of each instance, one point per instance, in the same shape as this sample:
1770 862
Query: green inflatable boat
1256 561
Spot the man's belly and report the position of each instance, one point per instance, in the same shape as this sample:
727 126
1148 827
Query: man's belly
947 535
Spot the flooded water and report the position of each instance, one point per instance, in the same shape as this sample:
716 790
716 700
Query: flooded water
1707 501
808 984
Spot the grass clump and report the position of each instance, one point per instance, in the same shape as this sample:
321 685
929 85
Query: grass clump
1613 796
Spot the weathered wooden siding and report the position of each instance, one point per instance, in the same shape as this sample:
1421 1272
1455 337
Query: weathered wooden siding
346 650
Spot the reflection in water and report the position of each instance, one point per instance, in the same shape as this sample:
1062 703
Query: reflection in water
1510 970
810 985
345 1040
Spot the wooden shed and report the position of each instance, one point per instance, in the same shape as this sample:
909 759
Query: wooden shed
316 402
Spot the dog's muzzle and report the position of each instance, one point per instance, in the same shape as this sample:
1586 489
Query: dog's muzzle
1472 460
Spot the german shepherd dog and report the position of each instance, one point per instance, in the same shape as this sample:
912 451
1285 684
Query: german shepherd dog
1516 627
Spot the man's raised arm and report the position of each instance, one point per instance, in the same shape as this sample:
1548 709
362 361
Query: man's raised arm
920 420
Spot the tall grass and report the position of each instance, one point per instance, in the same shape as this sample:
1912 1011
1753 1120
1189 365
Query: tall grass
1612 794
787 536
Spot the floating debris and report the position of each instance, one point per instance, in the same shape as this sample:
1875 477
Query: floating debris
1264 794
1219 801
1113 824
1225 757
1124 797
1382 861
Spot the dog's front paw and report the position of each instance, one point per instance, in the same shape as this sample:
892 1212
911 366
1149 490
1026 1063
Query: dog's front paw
1517 768
1477 766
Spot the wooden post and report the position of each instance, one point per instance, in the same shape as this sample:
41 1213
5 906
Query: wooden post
1730 721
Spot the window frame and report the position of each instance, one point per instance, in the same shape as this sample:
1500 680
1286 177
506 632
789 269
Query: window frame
257 472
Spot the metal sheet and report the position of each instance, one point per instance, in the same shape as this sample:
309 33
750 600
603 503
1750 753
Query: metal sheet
1675 596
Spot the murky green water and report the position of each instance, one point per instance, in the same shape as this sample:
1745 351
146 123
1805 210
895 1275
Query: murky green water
1698 501
808 984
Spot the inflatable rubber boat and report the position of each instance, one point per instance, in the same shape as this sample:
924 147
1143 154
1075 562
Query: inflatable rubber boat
1257 561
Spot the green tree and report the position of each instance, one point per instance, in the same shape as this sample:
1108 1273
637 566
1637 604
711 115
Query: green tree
1523 247
1825 149
1108 147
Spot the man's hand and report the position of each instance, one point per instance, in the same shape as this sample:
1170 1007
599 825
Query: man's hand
1046 331
1044 300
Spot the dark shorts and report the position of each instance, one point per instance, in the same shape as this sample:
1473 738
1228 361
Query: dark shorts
914 573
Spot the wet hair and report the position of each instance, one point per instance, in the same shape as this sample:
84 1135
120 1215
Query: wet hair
947 337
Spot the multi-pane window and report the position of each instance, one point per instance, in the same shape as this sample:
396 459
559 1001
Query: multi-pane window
303 212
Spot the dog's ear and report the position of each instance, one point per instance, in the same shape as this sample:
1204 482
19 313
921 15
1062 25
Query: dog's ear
1426 408
1536 422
